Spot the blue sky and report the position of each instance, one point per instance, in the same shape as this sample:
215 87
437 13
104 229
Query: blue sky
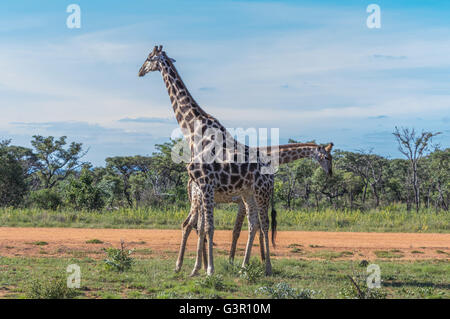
313 70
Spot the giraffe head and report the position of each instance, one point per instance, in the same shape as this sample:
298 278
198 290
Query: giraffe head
323 156
154 61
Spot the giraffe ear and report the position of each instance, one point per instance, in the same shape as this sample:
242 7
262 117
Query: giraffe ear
173 60
329 147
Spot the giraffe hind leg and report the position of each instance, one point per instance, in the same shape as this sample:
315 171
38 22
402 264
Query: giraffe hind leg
237 229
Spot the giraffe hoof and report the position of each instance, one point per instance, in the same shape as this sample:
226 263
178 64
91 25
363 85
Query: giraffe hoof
177 269
193 273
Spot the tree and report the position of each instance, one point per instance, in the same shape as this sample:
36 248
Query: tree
294 180
332 187
82 193
440 175
54 163
396 181
357 163
124 167
414 146
12 176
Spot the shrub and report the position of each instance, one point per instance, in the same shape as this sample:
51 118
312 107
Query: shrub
284 291
55 288
82 193
252 272
46 199
213 281
118 259
358 288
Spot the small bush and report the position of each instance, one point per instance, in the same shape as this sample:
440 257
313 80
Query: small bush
213 281
46 199
252 272
55 288
358 288
284 291
118 259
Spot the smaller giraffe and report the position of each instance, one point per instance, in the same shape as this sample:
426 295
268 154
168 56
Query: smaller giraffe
286 153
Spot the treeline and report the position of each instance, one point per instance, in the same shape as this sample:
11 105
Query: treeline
53 175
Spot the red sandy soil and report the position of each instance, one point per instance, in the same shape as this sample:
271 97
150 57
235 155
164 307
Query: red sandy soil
71 242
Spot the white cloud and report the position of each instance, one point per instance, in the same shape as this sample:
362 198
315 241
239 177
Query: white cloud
324 69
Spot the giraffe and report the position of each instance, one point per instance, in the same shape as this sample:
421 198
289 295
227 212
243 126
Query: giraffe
286 153
238 173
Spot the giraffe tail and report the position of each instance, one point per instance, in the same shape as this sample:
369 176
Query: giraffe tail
274 222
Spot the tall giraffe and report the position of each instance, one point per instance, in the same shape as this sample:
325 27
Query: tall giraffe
286 154
237 174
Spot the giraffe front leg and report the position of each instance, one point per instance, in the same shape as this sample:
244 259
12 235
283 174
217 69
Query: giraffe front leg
208 205
187 226
237 229
200 244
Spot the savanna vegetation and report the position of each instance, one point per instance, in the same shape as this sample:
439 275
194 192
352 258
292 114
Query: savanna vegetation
153 277
51 185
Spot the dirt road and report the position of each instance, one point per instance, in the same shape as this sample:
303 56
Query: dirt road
53 242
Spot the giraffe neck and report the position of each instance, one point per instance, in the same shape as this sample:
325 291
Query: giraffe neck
291 152
188 113
186 110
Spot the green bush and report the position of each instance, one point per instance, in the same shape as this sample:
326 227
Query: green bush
358 289
118 259
55 288
82 193
46 199
284 291
252 272
213 281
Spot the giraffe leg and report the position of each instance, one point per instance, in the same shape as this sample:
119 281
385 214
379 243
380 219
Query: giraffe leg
208 208
263 208
200 243
237 228
205 255
186 230
261 244
253 225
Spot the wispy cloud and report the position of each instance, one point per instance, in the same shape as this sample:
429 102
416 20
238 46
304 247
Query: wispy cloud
308 69
148 120
389 57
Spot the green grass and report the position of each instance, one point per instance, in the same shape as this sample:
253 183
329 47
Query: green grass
154 278
40 243
329 254
388 254
390 219
94 241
